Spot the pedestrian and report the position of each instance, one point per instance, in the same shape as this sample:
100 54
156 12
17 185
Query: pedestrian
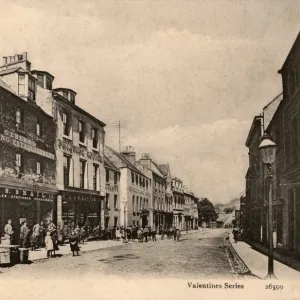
146 231
49 244
235 234
42 235
35 236
118 234
74 243
163 233
55 242
8 232
153 234
140 234
24 235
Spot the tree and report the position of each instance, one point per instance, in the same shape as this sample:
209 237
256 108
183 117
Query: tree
206 210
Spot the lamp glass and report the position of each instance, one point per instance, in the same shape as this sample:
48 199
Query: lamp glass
268 151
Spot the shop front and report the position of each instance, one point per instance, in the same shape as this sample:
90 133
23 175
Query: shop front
28 205
80 208
144 213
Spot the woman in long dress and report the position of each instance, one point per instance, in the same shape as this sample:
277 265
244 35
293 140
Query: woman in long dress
74 241
118 234
49 244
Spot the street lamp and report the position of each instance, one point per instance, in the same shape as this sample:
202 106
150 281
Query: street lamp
268 154
125 205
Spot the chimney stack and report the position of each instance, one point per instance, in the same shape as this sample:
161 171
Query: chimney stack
130 154
4 60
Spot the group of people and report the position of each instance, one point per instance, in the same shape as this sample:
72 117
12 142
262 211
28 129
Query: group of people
142 234
45 235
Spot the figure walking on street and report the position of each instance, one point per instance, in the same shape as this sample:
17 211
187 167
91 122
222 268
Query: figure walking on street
49 244
8 232
74 243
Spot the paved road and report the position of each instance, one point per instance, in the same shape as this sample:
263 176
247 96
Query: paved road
196 255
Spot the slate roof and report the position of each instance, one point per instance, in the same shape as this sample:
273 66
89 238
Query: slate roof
12 70
5 86
109 164
164 169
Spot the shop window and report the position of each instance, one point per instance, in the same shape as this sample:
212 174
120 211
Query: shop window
21 84
115 201
82 173
40 80
31 88
132 177
107 175
115 178
95 138
95 176
81 131
66 162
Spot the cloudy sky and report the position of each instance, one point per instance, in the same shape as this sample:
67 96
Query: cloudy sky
185 78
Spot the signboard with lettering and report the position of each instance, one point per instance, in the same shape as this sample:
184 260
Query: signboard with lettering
139 192
26 195
80 151
16 140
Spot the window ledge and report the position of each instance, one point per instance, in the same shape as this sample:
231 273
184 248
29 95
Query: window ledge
94 149
82 144
67 137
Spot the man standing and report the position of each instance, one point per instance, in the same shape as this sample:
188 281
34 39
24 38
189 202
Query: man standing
8 232
35 238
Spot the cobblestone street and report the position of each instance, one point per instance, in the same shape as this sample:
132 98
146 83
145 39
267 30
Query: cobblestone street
196 255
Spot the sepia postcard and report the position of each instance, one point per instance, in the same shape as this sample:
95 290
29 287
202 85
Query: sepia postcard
150 149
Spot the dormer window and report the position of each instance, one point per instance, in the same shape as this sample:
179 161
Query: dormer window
48 83
31 88
65 94
72 98
40 80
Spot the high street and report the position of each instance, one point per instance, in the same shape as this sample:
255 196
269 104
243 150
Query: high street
196 255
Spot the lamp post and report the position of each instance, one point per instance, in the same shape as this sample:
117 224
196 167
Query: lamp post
268 154
125 205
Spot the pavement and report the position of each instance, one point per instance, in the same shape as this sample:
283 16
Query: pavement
257 262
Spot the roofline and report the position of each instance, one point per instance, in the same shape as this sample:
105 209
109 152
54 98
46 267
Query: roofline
21 99
64 89
255 119
292 48
278 96
40 71
271 121
55 94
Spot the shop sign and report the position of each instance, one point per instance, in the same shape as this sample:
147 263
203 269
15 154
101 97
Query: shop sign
72 149
19 141
78 197
139 192
113 189
26 195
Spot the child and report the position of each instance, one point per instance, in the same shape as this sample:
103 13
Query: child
74 241
49 244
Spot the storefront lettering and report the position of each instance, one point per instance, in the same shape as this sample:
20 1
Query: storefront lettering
139 192
72 149
20 141
26 195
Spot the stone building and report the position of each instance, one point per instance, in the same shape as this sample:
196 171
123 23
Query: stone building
135 188
112 199
188 209
158 207
79 141
178 202
27 153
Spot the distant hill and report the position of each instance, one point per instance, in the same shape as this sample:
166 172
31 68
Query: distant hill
233 204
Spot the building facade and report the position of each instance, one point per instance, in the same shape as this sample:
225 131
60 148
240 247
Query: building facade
188 209
178 202
27 156
158 207
112 197
135 188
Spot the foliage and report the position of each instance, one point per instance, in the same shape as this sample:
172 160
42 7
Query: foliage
206 210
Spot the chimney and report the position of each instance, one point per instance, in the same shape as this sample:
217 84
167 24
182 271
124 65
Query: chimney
130 154
4 60
24 55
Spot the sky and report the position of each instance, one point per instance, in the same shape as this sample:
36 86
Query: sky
184 78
